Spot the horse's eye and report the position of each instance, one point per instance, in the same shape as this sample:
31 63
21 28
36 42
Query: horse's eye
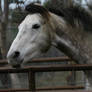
35 26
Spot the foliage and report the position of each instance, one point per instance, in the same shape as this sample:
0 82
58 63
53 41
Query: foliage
57 3
16 1
18 16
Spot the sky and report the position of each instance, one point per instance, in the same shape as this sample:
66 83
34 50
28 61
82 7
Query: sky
13 5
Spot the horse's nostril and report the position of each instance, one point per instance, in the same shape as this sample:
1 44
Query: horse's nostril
16 54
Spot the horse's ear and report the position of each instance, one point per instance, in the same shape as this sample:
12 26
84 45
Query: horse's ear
37 8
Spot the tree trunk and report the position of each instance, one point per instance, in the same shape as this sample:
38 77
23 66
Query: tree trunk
3 40
3 25
4 78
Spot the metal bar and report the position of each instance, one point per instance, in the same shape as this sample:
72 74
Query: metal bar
61 59
3 62
42 89
61 88
51 68
31 76
13 90
47 68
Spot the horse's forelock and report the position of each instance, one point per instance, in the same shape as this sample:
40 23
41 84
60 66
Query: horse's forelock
37 8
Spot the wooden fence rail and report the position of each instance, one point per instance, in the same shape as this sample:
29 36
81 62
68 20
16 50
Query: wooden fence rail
31 70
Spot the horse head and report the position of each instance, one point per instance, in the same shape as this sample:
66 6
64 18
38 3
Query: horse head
41 29
34 36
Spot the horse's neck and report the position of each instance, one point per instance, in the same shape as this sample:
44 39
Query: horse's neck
64 42
74 43
66 46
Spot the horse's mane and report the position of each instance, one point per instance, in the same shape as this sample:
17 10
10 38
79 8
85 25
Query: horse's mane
74 13
36 8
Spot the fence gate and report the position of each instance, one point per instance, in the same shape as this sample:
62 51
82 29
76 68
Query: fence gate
32 70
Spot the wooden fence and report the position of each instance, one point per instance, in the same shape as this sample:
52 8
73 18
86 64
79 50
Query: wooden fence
31 70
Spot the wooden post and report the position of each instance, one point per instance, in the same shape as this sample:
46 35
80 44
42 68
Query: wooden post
32 86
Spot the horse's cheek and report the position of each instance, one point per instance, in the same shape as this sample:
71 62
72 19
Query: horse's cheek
44 45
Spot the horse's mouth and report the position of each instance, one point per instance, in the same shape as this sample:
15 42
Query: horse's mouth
16 66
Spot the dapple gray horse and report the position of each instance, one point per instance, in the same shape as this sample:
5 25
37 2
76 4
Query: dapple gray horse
69 30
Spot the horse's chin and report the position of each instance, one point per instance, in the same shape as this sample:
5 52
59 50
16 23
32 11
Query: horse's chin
14 63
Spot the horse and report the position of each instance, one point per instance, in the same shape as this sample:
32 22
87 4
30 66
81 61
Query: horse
68 30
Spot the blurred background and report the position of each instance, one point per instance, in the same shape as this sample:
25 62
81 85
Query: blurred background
11 15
